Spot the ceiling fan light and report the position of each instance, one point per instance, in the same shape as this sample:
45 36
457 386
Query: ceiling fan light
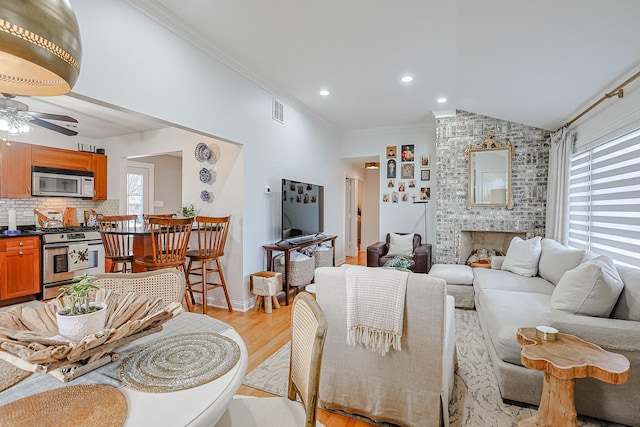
24 128
12 130
371 165
40 47
4 124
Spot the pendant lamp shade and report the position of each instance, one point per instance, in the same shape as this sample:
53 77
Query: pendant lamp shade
40 48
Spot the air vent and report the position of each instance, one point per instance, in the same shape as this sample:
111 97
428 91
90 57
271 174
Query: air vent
277 112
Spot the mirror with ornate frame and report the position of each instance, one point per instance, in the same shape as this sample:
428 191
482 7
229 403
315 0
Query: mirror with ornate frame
489 173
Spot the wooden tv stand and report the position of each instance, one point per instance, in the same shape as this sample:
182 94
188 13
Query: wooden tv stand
287 247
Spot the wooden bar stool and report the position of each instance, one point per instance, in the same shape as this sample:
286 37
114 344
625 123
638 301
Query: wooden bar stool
212 237
118 248
169 242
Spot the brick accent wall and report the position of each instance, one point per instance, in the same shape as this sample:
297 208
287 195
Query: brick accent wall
529 181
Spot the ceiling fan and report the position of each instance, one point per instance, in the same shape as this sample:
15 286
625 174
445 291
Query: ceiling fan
17 113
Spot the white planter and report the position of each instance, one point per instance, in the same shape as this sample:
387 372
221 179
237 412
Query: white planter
77 327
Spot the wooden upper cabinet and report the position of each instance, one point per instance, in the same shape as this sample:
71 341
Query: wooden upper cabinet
59 158
15 170
99 167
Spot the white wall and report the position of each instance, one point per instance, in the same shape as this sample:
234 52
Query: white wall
401 216
130 61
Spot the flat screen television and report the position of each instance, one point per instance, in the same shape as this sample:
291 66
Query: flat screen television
302 209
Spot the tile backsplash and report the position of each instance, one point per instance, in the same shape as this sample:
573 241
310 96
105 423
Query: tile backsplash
25 215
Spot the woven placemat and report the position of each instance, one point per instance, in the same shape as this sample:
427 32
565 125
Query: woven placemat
88 405
10 375
179 362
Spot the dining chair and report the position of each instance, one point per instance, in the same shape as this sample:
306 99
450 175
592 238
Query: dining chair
118 248
212 237
167 283
145 218
308 332
169 242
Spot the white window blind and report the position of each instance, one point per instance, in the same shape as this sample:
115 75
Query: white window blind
604 200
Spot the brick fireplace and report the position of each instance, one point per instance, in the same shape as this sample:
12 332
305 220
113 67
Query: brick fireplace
529 183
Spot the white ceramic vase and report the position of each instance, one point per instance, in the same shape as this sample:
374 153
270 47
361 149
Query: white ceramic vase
77 327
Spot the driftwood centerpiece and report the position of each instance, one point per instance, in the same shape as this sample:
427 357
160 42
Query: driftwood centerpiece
29 335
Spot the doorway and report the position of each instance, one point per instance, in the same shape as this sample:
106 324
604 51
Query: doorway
139 188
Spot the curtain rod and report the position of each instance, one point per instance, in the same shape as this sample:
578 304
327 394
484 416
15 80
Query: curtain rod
618 91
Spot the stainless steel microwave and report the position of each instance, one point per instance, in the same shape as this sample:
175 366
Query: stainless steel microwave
53 182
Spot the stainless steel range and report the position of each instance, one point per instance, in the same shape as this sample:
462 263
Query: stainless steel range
68 252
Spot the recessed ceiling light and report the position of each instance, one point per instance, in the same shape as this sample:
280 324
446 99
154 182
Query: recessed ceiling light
442 100
324 92
406 79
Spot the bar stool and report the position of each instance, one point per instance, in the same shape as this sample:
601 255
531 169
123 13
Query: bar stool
212 236
145 218
169 242
118 248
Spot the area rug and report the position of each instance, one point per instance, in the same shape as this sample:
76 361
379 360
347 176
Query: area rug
476 400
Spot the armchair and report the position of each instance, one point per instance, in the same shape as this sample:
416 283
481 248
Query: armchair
420 260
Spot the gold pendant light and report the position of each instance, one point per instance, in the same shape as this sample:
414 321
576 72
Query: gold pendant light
40 48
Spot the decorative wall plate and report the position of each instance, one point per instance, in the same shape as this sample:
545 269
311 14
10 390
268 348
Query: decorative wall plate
202 153
206 196
205 175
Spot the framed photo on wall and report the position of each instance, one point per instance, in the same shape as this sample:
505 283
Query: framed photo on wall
391 151
425 175
391 168
425 193
425 161
407 171
407 153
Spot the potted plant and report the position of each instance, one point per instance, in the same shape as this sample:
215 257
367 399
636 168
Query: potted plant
189 210
80 317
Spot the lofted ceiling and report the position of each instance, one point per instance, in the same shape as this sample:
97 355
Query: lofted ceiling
538 63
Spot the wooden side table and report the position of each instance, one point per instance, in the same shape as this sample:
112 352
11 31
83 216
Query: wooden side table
563 360
483 263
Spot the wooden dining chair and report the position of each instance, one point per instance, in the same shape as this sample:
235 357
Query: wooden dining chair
308 332
118 248
212 237
145 218
169 242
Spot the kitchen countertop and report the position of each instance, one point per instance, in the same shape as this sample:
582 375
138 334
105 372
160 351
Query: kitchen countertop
24 233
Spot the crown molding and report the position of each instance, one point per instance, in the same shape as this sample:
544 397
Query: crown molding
167 19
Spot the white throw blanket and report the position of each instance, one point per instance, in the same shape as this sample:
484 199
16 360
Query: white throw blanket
375 307
78 257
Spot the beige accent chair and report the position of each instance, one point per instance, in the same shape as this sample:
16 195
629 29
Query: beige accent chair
168 284
411 387
308 331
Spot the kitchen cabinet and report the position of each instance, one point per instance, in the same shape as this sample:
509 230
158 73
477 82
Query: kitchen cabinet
99 168
15 170
59 158
19 267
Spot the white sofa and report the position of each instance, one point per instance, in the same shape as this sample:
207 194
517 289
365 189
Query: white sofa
506 301
411 387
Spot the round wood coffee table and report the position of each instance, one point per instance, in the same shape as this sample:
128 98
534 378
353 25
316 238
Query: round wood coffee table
563 360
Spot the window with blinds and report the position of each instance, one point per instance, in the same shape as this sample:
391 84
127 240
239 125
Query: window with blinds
604 199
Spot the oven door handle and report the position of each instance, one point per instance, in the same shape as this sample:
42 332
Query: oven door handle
66 245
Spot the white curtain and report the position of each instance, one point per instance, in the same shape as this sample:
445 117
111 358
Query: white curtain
560 151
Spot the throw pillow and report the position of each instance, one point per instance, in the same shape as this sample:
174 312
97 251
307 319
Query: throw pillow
592 288
556 259
400 244
523 256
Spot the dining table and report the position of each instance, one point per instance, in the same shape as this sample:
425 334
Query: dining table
200 405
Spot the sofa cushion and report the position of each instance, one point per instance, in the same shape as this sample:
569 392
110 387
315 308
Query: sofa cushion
556 259
523 256
504 312
592 288
453 274
628 305
400 244
486 278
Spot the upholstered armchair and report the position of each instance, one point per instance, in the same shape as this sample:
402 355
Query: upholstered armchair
418 254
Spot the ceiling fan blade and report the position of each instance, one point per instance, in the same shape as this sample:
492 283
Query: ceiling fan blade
52 117
53 127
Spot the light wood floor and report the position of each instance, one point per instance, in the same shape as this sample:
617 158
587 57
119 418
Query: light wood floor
264 334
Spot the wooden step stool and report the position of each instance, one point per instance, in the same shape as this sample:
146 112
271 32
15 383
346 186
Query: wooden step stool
265 285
